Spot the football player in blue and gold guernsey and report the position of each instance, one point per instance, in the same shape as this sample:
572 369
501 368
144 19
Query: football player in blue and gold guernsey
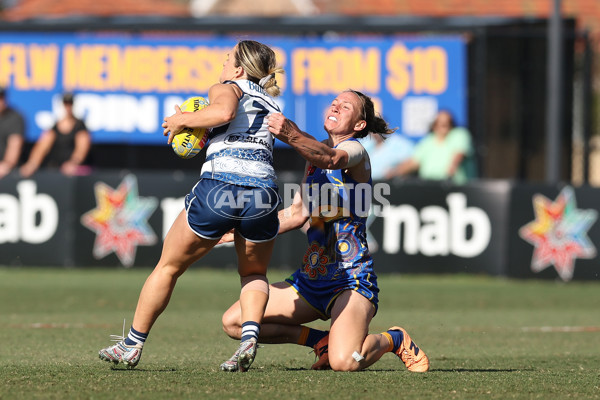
238 165
336 279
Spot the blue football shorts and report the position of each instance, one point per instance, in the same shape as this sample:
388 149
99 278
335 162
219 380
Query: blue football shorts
321 294
214 208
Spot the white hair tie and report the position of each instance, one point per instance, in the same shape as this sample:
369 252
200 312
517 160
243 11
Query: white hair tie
266 79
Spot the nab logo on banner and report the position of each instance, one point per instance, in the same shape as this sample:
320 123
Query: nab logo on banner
32 217
435 231
120 220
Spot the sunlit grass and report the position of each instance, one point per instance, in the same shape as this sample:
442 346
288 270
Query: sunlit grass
486 338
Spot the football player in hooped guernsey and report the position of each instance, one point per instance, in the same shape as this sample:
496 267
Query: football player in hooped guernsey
336 279
239 165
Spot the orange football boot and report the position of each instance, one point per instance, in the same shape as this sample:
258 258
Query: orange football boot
322 351
412 356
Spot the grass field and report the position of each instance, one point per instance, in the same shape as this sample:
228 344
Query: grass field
487 338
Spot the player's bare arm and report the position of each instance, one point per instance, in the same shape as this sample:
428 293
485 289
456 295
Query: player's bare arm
319 154
222 109
294 216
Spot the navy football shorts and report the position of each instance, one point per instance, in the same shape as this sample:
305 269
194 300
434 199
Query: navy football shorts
321 294
214 208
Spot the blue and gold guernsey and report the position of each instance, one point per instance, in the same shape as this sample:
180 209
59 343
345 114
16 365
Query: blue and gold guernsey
241 152
337 257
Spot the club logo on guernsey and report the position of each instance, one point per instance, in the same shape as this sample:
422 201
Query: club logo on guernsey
255 202
233 138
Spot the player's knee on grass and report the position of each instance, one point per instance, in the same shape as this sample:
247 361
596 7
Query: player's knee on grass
231 323
343 362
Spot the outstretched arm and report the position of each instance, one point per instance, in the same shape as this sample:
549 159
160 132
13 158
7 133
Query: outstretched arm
292 217
317 153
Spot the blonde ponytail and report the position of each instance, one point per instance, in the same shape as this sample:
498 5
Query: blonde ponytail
258 60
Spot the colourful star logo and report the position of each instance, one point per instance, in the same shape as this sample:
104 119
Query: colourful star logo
120 220
559 233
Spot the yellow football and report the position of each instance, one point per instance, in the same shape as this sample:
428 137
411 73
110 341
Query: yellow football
189 142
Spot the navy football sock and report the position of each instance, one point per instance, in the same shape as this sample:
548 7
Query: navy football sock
134 337
314 335
397 338
250 330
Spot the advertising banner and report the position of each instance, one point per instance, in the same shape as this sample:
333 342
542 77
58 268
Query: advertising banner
124 217
125 84
429 227
120 218
555 233
37 217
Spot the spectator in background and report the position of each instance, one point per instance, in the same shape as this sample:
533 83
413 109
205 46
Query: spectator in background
12 131
446 153
66 145
386 153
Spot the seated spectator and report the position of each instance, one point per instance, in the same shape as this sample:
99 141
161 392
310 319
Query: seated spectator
386 153
12 131
65 146
446 153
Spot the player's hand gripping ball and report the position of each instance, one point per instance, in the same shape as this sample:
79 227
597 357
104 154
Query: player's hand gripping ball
189 142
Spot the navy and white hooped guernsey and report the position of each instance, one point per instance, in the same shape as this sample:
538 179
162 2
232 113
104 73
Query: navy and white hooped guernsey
241 152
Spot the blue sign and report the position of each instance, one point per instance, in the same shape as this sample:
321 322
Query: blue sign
125 84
